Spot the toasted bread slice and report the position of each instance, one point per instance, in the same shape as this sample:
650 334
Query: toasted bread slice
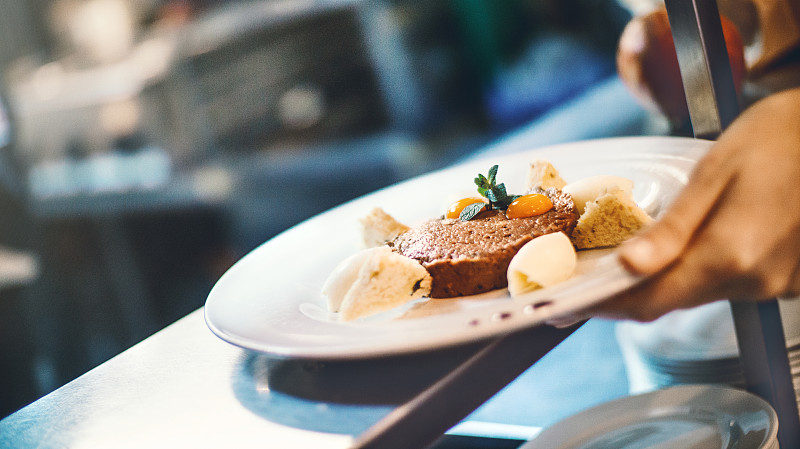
384 281
379 228
608 221
542 175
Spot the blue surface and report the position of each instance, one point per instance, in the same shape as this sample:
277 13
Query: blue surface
585 370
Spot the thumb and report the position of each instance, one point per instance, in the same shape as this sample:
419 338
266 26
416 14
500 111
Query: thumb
665 240
657 247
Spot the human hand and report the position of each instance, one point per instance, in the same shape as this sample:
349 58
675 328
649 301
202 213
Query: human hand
734 231
647 64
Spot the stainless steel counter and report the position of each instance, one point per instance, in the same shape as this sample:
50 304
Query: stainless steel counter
172 390
184 387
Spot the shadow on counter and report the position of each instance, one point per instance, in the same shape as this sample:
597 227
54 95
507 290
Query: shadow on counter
338 396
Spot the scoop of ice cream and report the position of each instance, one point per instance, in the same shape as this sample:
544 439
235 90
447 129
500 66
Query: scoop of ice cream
591 188
373 281
343 277
542 262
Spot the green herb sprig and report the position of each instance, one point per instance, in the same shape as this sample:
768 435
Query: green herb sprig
498 198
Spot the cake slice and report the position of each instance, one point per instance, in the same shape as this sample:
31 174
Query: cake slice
543 175
608 221
374 280
470 257
379 228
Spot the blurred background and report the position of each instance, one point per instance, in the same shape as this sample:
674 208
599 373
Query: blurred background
146 145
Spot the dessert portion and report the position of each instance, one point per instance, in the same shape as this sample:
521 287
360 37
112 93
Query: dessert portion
379 228
543 175
470 257
608 221
374 280
542 262
496 240
609 215
589 189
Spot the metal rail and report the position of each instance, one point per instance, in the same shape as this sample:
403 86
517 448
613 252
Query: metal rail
713 105
424 419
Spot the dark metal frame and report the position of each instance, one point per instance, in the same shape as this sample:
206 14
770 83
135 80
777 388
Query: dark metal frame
713 105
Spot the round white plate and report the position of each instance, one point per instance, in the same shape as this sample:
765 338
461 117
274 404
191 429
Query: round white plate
270 300
694 416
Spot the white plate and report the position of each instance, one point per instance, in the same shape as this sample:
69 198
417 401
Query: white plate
270 300
694 416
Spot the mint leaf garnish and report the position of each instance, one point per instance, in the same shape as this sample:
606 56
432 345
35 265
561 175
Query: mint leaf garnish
493 175
498 197
471 211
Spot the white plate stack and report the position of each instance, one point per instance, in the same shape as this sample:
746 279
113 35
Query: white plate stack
696 346
687 416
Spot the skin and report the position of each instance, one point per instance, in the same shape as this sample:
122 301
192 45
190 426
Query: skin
733 232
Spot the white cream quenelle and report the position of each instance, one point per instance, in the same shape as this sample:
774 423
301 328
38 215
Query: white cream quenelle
542 262
374 280
593 187
343 277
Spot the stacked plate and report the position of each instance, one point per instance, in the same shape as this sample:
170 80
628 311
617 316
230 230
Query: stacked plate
696 346
680 368
691 416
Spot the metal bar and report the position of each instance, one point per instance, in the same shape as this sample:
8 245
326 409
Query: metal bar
713 104
704 65
765 363
423 420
